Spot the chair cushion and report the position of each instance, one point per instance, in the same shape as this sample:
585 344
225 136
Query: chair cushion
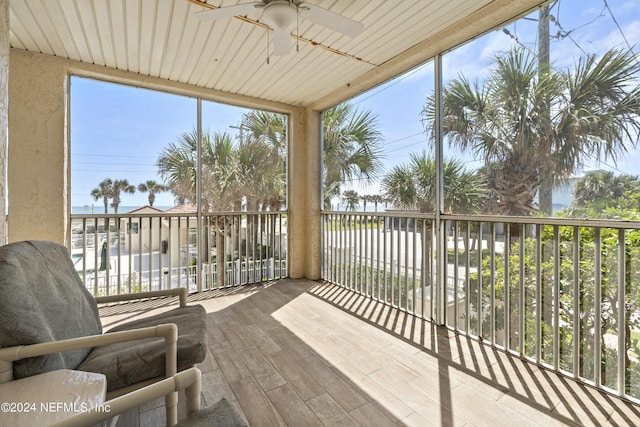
134 361
42 299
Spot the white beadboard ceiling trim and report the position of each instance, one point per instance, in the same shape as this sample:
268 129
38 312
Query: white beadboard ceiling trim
163 39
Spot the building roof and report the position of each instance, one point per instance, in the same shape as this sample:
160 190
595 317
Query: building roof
145 209
181 209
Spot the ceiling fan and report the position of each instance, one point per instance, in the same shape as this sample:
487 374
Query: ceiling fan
283 15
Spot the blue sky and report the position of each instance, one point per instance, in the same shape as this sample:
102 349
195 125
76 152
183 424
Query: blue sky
118 131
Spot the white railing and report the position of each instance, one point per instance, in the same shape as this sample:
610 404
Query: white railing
563 293
125 253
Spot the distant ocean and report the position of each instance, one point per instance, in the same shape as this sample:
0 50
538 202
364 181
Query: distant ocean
99 209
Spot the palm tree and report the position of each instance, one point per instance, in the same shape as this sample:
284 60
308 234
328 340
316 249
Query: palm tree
505 120
376 199
412 186
352 148
266 147
365 198
120 185
152 188
104 191
603 188
221 188
351 199
219 170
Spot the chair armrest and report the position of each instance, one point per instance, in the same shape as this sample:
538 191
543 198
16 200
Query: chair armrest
180 292
189 379
169 331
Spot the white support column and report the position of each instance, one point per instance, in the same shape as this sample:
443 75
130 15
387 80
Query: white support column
304 173
4 113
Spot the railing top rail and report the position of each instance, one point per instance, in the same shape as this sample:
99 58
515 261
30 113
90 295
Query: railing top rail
173 214
407 214
580 222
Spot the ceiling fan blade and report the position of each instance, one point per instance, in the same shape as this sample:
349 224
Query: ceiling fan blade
333 21
281 42
228 11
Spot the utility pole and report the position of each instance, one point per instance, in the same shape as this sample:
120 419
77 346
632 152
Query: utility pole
545 192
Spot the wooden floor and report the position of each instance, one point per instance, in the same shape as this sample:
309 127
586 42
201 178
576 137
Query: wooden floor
303 353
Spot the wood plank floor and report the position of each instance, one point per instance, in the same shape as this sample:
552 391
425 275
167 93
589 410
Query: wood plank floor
303 353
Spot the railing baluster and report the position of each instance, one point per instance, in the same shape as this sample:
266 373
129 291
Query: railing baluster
95 257
84 251
597 308
467 272
161 283
343 248
325 236
556 297
621 304
506 251
413 269
129 257
434 280
367 231
179 234
233 279
521 291
577 305
479 283
373 231
538 297
425 279
351 251
404 302
456 230
377 269
140 283
391 261
396 300
362 261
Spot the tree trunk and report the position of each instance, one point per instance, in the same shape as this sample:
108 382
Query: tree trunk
545 197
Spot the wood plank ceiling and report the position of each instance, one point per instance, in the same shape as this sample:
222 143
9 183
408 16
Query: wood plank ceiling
163 38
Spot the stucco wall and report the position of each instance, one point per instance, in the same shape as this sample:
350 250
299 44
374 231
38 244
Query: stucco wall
37 148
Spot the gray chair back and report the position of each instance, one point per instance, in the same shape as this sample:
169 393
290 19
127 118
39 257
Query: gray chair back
42 299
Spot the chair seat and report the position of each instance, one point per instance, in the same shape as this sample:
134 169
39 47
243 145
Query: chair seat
131 362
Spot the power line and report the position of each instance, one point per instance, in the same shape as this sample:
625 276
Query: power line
562 33
593 157
387 86
110 155
117 164
619 28
514 37
403 138
120 171
405 146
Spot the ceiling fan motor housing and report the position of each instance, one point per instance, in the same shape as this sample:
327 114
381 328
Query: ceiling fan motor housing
280 15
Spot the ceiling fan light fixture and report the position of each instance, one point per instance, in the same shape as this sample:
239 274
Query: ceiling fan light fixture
280 15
